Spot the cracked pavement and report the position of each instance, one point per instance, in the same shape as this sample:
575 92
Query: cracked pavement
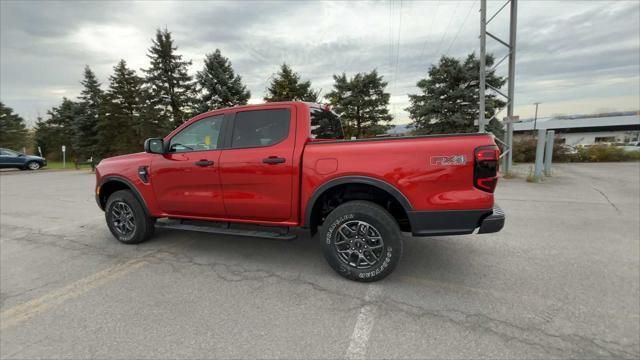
562 280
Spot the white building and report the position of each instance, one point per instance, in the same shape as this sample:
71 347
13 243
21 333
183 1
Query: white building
587 130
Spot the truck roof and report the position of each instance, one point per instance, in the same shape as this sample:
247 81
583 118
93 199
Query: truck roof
309 104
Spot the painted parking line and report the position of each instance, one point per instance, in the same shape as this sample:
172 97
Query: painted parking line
364 324
25 311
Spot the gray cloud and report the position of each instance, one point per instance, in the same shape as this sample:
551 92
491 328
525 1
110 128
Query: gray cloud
568 52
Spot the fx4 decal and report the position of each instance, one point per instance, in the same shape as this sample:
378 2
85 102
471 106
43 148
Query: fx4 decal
449 160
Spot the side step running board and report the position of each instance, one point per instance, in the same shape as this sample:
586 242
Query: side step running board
202 226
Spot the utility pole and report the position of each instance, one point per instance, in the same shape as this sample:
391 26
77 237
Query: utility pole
513 25
548 152
483 55
535 118
511 46
537 172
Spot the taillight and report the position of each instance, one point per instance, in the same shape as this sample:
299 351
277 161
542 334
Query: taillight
485 171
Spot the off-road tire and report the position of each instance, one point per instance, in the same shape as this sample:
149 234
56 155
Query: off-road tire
143 225
354 213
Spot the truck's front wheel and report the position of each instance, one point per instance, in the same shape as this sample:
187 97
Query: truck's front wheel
361 241
126 218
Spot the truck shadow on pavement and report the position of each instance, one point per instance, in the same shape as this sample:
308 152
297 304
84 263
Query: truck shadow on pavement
432 259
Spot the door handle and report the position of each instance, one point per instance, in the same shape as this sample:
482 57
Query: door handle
273 160
204 163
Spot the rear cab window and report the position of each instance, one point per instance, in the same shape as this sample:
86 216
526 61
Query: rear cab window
325 124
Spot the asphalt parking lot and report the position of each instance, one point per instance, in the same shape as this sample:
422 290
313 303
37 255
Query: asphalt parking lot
561 280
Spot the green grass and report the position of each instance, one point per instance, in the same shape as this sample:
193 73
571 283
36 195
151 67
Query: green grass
57 165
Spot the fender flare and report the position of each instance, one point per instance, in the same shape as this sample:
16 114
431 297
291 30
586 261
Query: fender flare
129 184
382 185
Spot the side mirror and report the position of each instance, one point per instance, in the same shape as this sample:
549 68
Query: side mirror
154 146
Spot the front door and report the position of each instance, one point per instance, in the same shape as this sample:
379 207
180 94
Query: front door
186 180
256 168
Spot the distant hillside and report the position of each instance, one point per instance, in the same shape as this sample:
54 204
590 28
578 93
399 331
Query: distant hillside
399 129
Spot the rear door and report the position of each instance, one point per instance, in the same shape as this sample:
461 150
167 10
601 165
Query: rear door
256 168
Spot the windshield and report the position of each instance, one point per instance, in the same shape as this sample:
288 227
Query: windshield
325 124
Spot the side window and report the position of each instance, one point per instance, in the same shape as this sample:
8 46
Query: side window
200 136
260 128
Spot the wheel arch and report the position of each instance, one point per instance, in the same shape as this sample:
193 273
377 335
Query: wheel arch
111 184
400 204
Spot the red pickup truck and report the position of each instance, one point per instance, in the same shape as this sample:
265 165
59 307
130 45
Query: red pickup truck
287 164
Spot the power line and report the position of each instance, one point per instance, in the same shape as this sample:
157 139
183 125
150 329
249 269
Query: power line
395 73
433 22
398 42
447 28
462 26
391 35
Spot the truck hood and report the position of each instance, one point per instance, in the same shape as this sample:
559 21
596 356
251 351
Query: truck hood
33 157
134 156
120 161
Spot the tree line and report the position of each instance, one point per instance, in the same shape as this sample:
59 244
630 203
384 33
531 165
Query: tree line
135 106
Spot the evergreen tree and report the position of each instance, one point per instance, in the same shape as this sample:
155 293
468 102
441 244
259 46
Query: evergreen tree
86 126
218 85
43 137
286 86
58 129
449 99
152 123
13 131
362 103
168 80
123 115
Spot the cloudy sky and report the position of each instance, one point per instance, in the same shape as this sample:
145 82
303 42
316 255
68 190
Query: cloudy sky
573 57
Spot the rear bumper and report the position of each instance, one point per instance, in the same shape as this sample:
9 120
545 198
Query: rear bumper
456 222
492 223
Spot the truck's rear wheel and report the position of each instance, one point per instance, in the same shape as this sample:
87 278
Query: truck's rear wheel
126 218
361 241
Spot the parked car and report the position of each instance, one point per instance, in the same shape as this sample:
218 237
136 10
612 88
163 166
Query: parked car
18 160
287 165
